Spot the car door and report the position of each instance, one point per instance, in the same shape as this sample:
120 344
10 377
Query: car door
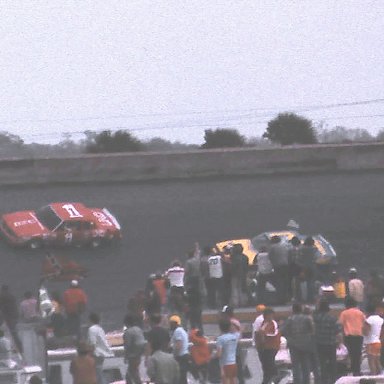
69 233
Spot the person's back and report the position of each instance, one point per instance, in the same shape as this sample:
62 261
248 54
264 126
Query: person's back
352 320
264 264
83 370
74 300
278 254
134 341
162 368
356 289
298 330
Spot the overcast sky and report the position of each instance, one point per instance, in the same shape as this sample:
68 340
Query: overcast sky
173 68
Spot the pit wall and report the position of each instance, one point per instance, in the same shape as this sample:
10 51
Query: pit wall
204 163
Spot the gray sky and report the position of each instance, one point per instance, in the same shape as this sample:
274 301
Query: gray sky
174 68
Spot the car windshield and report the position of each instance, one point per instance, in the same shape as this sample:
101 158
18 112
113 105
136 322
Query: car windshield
48 217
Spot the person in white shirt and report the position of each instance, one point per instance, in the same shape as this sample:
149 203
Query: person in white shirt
355 287
99 343
256 326
372 341
215 281
175 275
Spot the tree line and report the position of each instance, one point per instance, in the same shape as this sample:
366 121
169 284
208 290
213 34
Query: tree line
284 129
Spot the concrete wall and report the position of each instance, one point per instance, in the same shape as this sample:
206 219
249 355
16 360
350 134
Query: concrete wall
151 166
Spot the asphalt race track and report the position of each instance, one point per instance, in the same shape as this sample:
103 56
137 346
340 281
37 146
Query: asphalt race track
162 220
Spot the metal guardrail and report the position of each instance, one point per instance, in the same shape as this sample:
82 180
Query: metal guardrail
64 354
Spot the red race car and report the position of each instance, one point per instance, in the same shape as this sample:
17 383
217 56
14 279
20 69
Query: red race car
60 224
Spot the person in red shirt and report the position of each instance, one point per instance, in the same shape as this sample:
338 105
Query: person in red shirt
200 353
269 344
74 300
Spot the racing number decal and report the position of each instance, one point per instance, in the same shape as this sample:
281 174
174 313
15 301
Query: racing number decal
102 218
72 211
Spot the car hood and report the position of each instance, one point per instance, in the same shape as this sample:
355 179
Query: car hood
105 220
24 223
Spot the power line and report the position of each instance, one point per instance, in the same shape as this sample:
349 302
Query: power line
246 112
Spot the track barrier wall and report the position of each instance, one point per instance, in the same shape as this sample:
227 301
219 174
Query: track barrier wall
203 163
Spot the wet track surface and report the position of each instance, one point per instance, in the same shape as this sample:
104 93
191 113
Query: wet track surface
162 220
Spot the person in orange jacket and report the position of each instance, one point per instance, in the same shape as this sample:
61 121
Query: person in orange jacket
200 354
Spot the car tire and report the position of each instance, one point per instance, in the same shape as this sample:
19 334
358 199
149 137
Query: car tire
35 244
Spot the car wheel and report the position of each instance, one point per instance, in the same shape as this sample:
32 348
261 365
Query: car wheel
35 244
96 242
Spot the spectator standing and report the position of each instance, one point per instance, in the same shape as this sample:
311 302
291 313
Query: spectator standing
159 285
227 274
200 354
239 269
83 367
355 287
5 349
175 276
8 307
195 306
268 337
157 337
204 270
372 332
74 300
179 344
228 313
57 319
28 308
256 325
352 321
162 367
299 331
339 287
265 273
278 254
226 346
307 270
134 347
294 269
215 281
327 335
192 275
374 288
99 344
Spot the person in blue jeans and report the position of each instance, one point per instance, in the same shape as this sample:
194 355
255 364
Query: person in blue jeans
299 331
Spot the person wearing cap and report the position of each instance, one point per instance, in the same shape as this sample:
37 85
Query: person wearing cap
74 301
179 344
83 367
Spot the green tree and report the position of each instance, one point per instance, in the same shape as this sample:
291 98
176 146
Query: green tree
289 128
222 138
110 142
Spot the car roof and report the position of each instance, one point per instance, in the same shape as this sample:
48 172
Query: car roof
72 211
